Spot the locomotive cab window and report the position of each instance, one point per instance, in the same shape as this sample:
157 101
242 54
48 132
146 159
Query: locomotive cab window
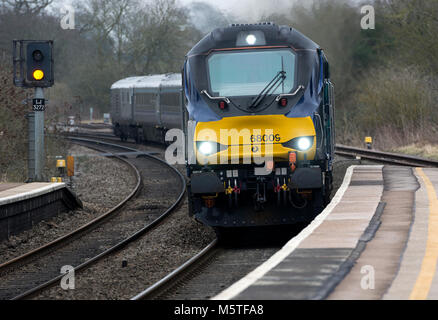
246 73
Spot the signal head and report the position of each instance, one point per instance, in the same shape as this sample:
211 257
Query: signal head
39 64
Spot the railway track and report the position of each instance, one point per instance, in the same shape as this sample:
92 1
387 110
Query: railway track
37 270
173 278
384 157
209 272
218 265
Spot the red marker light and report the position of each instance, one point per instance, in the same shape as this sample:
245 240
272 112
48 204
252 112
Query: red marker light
270 165
222 105
292 160
283 102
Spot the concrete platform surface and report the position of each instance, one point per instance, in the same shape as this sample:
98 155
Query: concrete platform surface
417 278
6 186
378 264
16 192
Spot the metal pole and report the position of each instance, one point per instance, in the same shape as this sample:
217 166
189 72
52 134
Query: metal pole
31 156
38 136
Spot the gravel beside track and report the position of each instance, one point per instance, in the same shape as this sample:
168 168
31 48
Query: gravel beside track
100 183
151 256
149 259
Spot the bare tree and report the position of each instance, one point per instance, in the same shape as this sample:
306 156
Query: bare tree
159 36
105 20
26 6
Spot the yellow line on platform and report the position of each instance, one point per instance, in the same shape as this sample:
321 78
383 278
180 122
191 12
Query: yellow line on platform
424 281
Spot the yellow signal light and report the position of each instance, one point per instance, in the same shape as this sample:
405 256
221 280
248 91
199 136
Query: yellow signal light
60 163
38 74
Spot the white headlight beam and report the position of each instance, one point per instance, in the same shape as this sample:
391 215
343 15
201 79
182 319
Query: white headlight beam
206 148
304 144
251 39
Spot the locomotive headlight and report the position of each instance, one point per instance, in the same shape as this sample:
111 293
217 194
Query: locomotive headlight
206 148
300 143
251 39
304 144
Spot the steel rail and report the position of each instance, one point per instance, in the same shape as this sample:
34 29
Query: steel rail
384 157
179 273
83 228
127 240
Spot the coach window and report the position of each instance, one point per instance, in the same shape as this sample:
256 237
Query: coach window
170 100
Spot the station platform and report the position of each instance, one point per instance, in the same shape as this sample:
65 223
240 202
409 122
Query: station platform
378 239
24 204
6 186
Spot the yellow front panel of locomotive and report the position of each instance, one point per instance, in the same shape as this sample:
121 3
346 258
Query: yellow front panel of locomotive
249 137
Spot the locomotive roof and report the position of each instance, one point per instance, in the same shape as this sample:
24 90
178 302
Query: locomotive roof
151 81
274 35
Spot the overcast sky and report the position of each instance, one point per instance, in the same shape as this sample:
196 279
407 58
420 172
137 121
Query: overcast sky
248 8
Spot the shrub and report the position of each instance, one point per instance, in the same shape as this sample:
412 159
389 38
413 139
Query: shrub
396 104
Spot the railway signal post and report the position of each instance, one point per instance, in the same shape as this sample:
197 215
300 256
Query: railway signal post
33 68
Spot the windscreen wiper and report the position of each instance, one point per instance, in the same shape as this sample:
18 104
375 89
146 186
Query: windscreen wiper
270 87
